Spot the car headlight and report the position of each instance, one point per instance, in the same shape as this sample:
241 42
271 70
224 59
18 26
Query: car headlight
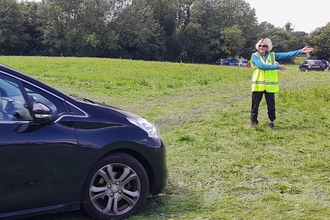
142 123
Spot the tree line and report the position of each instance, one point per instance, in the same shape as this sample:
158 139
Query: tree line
196 31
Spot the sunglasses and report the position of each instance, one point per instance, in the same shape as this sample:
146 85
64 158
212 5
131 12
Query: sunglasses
263 46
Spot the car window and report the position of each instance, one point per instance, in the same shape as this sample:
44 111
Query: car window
13 105
8 88
56 105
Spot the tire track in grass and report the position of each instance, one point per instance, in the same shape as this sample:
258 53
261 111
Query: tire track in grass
216 99
198 112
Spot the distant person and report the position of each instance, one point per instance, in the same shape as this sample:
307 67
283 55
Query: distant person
265 77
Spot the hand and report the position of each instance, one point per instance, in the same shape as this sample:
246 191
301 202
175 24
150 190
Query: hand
281 67
307 49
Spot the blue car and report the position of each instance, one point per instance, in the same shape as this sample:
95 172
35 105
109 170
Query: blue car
62 153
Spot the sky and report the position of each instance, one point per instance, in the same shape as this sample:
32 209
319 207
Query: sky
304 15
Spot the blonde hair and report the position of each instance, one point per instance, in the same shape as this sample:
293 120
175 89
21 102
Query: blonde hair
266 41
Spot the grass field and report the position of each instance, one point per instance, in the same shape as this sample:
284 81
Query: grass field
218 167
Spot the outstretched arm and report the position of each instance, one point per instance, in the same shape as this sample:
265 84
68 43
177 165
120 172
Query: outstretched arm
292 54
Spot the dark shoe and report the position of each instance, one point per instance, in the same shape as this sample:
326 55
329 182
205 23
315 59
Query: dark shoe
271 125
253 125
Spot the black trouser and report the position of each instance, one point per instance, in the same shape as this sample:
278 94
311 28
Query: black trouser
256 99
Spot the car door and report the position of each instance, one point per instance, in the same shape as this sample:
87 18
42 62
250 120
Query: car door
38 161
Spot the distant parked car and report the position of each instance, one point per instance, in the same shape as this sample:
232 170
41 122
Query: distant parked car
326 64
311 65
242 63
232 62
221 61
226 62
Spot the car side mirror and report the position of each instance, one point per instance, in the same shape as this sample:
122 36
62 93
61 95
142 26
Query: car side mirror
41 112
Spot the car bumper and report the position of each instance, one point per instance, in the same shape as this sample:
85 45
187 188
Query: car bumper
159 170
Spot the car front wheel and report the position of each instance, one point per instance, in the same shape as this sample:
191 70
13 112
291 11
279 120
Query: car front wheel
116 188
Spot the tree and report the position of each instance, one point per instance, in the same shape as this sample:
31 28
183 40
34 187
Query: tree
239 12
194 35
301 37
98 37
282 41
78 28
140 35
11 29
320 40
165 13
232 41
199 31
288 27
32 25
265 26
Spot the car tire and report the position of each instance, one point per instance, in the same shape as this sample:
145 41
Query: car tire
116 188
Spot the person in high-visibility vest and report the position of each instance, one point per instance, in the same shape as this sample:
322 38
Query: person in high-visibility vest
265 77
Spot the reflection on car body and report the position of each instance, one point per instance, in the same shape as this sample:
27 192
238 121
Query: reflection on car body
61 153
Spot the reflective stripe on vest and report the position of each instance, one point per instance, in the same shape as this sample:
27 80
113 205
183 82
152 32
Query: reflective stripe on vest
265 79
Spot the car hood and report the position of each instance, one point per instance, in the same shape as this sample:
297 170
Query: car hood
104 114
118 110
97 108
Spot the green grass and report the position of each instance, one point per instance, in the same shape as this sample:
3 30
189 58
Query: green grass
218 167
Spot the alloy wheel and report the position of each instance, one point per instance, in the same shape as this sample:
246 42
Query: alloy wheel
114 189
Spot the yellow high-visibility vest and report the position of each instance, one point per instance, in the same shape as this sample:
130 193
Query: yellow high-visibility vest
265 80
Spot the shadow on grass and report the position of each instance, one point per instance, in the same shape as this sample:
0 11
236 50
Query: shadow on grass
75 215
164 206
174 202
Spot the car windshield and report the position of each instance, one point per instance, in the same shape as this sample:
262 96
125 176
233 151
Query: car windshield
317 62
